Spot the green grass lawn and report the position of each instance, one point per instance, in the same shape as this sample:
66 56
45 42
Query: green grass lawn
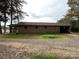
34 36
15 36
44 57
52 36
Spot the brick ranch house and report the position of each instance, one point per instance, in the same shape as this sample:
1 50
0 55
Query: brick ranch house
33 27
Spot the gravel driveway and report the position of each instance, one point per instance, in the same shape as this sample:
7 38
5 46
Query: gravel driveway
60 47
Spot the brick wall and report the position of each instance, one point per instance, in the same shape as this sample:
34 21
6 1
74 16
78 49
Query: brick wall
38 29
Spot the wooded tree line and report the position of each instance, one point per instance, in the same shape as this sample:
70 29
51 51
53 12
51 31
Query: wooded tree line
10 10
72 16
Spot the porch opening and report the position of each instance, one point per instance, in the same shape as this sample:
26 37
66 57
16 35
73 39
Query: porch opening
64 29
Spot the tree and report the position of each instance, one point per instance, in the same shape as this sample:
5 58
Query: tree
74 4
3 10
11 8
67 19
1 19
73 15
15 10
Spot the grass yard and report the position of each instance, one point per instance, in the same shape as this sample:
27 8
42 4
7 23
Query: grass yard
34 36
53 36
44 57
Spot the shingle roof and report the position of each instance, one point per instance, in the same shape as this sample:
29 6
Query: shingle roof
42 24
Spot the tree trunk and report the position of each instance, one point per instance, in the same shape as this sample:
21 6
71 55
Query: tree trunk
5 23
11 18
78 18
0 28
18 17
17 14
11 23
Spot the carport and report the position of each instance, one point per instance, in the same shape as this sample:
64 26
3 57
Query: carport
65 29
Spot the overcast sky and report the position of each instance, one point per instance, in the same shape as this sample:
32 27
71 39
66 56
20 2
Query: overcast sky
45 10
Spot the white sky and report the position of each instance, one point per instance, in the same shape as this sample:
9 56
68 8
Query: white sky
45 10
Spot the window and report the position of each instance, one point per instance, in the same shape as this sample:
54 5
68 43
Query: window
36 27
25 27
45 27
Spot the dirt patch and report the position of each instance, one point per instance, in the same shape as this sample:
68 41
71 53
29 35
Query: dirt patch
73 36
